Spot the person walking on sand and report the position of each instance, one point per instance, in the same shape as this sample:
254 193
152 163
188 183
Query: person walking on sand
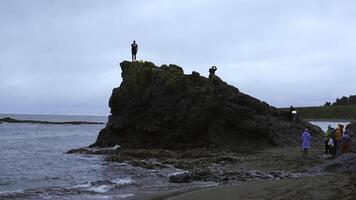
134 48
345 142
341 128
326 140
331 147
305 140
338 135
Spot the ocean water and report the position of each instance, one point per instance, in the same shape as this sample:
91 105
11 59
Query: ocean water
34 165
324 124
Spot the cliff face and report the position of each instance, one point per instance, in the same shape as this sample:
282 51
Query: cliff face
161 107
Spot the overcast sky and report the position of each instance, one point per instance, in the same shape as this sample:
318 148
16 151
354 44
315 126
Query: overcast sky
61 56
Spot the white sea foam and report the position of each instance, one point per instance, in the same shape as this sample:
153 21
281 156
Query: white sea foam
124 181
125 195
11 192
100 188
106 148
103 188
177 173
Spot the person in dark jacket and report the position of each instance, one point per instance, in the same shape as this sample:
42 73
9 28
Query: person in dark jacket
333 147
212 71
134 48
326 140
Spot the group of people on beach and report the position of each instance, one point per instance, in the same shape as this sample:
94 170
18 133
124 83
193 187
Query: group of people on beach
337 141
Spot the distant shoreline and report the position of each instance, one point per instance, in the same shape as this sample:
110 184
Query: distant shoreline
63 115
17 121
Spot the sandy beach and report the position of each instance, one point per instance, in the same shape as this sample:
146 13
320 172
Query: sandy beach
339 186
318 186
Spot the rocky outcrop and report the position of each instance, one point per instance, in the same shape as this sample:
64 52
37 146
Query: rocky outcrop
343 163
351 127
161 107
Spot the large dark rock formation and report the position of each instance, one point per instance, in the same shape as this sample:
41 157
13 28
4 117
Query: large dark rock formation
161 107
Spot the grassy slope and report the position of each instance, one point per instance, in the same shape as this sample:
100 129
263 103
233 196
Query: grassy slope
328 112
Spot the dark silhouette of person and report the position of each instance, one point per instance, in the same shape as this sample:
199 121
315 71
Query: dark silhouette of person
294 114
212 71
134 49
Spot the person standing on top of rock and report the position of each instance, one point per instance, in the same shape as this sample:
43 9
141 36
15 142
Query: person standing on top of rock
134 49
212 72
305 140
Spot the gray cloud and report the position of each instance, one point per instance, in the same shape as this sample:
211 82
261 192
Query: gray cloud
62 56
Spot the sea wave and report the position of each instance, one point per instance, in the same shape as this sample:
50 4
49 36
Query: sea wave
103 186
95 187
2 193
124 181
100 188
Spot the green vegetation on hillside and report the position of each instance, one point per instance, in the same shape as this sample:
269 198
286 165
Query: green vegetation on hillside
351 100
328 112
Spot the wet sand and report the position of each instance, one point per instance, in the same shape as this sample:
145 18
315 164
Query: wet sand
339 186
325 186
300 178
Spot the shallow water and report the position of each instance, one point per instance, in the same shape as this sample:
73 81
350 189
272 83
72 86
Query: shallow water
33 164
32 155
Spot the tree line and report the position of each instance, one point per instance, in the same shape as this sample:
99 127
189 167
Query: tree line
351 100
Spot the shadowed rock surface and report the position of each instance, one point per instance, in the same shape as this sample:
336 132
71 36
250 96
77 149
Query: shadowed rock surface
11 120
343 163
161 107
351 127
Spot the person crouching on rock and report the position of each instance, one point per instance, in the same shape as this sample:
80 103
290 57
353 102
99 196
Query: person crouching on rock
212 72
305 140
134 48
